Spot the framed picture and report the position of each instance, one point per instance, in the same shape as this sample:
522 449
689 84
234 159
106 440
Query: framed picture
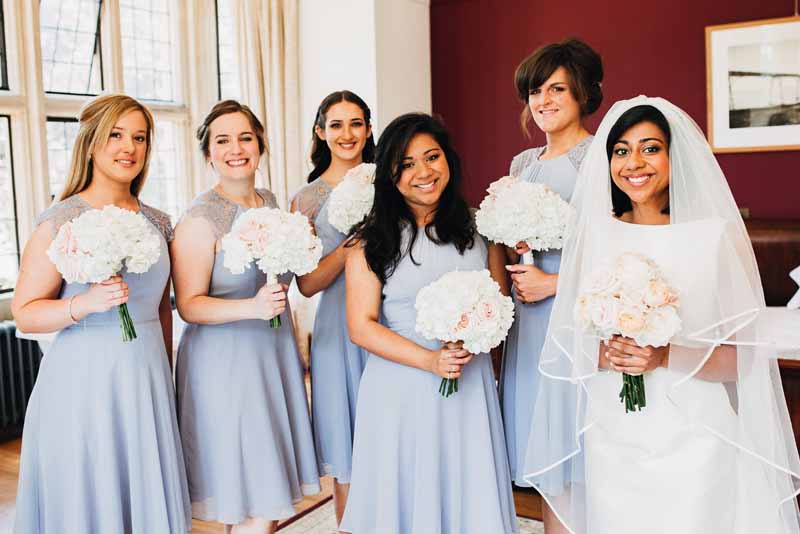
753 85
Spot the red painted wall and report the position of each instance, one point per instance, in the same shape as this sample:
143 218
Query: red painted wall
654 48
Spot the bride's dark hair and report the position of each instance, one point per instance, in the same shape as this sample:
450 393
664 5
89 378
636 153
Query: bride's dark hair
620 202
381 233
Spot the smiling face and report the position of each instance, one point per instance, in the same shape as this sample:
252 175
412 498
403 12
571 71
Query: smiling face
640 165
233 146
424 174
346 131
552 105
122 157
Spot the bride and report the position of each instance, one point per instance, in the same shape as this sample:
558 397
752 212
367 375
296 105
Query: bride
712 451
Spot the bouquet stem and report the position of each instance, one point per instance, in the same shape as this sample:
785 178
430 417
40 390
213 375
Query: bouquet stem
448 386
275 322
527 258
126 323
632 393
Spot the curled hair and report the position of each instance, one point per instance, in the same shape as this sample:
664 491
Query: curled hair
585 68
320 151
621 202
97 118
226 107
381 232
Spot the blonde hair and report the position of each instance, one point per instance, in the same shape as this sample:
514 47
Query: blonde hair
97 118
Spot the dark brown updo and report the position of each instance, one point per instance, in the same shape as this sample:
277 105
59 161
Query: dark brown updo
226 107
585 68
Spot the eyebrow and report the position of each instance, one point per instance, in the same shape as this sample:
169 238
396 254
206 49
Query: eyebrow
124 130
644 140
228 135
424 153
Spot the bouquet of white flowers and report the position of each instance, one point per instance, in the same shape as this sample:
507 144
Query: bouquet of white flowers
94 246
277 240
352 199
630 297
515 211
464 306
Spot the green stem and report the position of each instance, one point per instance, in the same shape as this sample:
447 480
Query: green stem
275 322
126 323
448 386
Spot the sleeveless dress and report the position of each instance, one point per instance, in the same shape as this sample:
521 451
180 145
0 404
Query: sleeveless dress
242 405
100 447
519 384
423 463
336 362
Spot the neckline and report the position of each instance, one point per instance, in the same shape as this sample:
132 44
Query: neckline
229 201
88 205
542 149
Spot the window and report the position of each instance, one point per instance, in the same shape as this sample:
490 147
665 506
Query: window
160 189
147 49
70 37
9 243
3 55
61 133
227 64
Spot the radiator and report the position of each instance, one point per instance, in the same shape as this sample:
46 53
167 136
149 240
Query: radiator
19 365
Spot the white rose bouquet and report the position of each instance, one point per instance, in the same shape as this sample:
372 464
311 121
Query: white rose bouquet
96 245
630 297
352 199
277 240
515 211
464 306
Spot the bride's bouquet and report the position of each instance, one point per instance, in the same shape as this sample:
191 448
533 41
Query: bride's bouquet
352 199
630 297
96 245
278 241
515 210
464 306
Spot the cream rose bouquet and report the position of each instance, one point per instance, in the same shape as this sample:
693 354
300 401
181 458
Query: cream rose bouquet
278 241
515 211
630 297
352 199
97 244
464 306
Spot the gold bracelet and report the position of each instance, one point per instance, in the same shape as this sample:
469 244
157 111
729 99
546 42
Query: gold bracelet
69 310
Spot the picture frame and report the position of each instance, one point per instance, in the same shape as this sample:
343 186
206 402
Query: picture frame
753 85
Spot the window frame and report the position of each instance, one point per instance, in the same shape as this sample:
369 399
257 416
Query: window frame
13 194
4 83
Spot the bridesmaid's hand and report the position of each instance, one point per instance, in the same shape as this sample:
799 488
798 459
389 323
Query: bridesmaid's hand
449 361
625 356
100 297
270 301
521 248
531 284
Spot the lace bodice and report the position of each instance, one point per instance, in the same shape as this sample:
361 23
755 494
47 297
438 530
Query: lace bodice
523 160
310 199
70 208
221 212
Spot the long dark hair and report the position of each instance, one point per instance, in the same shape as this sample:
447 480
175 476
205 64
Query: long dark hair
320 151
381 233
619 200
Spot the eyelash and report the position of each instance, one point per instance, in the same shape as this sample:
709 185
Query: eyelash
431 158
557 89
337 125
652 149
243 139
138 138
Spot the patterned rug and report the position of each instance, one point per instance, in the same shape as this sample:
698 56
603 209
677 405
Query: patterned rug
323 521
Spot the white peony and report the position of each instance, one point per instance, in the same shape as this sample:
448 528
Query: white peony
465 306
351 201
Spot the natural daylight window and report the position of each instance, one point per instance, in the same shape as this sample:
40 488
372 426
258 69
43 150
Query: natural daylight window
9 241
227 64
160 189
70 38
3 55
147 49
61 134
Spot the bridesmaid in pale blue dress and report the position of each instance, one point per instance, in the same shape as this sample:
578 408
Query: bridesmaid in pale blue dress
421 462
560 84
100 449
342 138
242 404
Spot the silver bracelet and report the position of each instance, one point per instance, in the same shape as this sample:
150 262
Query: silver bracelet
69 310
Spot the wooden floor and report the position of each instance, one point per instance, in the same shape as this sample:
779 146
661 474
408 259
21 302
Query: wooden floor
528 503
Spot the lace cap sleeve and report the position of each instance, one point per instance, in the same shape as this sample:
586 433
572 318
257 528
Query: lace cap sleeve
522 160
310 198
269 198
579 151
160 220
62 211
216 210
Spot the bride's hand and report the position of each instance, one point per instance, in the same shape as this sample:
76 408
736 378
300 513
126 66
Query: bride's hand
625 356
